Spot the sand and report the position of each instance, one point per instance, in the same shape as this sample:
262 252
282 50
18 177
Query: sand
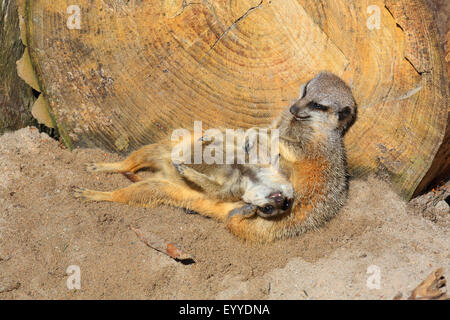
44 230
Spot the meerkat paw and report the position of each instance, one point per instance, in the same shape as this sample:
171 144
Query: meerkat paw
246 211
179 167
79 193
103 167
90 195
92 167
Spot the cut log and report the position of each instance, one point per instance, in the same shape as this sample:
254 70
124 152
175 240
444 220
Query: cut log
439 171
121 74
16 97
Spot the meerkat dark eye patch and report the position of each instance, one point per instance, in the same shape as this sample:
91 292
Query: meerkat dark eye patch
268 209
344 113
317 106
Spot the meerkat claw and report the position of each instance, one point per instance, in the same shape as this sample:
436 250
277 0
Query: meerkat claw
179 167
91 167
79 193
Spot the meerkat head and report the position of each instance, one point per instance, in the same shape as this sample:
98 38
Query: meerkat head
325 104
270 191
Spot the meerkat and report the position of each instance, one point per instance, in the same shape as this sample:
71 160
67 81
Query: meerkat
311 157
219 186
253 184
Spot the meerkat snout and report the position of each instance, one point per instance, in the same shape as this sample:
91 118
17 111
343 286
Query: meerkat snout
299 114
279 204
280 201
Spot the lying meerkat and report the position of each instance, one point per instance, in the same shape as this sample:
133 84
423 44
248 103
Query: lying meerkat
214 188
312 158
253 184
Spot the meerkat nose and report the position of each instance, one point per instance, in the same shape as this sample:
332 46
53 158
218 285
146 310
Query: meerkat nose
294 109
277 197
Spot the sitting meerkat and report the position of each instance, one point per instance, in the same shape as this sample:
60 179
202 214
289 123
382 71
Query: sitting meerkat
311 157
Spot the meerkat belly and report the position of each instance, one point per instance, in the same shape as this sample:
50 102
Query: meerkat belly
307 176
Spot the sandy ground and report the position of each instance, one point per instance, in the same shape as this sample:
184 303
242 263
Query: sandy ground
44 230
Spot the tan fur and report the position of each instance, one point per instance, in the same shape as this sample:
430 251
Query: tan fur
212 190
312 158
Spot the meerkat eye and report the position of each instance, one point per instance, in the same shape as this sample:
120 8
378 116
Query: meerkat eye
267 209
344 113
286 204
318 106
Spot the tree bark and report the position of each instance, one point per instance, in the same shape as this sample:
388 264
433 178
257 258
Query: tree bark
16 97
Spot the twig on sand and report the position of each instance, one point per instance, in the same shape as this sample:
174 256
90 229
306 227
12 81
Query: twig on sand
162 246
8 287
